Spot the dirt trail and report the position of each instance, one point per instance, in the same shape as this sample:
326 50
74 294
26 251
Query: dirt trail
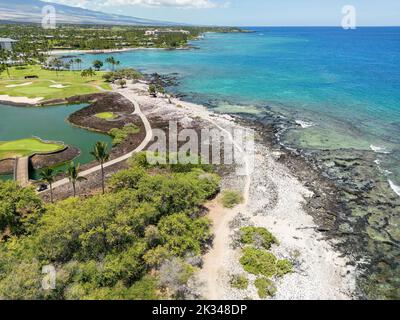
214 267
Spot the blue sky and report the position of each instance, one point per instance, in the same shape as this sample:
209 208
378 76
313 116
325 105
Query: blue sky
250 12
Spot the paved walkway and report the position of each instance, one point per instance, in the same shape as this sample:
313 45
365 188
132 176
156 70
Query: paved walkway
149 135
22 171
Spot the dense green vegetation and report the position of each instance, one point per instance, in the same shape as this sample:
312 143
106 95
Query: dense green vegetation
239 281
260 237
33 38
119 135
265 287
140 241
126 73
231 198
261 262
257 260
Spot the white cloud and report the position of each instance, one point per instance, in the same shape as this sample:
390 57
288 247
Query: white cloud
194 4
74 3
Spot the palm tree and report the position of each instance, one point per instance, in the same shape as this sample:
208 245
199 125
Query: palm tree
113 62
101 155
57 64
48 175
97 65
73 175
88 73
117 63
78 62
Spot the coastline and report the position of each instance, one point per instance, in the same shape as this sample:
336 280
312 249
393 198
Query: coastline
277 201
104 51
272 194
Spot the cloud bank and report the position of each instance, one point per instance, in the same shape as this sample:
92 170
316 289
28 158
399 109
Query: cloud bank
186 4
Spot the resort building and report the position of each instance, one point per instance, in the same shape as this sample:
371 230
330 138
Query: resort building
7 44
157 32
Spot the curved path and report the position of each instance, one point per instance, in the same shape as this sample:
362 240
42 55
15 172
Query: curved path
149 135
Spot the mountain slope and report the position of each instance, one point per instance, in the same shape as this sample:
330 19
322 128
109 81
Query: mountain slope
31 11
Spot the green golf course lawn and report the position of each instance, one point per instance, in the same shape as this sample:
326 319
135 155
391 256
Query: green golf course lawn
27 147
106 115
49 84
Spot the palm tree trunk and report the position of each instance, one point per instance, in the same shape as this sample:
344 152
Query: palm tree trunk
102 178
74 188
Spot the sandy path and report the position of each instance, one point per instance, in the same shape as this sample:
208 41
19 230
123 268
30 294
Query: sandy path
214 264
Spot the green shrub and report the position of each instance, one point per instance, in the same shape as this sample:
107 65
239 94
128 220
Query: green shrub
126 179
266 288
231 198
119 135
259 262
239 281
284 267
257 236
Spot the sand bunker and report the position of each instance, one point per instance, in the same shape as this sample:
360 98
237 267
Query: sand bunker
19 85
22 100
58 86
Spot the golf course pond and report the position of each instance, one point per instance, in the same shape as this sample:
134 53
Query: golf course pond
47 124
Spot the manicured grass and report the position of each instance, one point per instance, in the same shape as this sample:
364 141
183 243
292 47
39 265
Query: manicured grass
41 87
106 115
26 147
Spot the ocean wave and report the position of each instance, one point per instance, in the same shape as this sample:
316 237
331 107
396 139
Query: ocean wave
394 187
378 149
305 124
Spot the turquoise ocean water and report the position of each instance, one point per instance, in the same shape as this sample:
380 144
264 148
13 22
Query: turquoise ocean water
344 85
343 89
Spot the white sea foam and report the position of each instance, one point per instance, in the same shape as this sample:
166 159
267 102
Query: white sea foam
304 124
378 149
394 187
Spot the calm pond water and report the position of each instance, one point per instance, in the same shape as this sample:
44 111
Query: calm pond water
48 123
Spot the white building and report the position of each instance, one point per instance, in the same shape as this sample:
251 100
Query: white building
158 32
7 43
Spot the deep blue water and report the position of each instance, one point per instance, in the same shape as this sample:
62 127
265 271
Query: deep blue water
345 82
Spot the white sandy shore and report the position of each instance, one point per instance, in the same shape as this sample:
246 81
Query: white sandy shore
275 202
20 100
61 52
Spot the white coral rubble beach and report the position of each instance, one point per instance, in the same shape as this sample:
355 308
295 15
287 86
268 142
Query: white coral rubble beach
274 200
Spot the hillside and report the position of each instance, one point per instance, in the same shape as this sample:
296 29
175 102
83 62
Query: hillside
31 11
